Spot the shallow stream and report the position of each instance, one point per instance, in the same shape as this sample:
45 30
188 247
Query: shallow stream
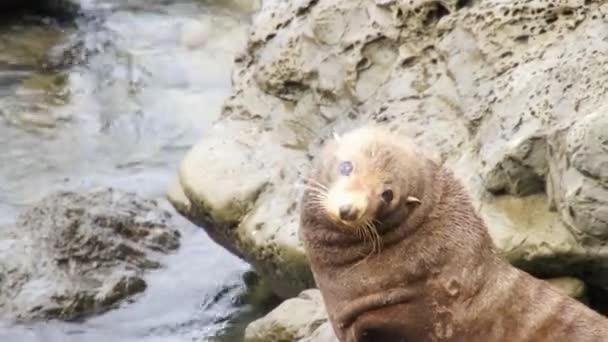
115 98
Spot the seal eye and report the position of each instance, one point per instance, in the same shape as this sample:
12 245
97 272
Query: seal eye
387 196
345 168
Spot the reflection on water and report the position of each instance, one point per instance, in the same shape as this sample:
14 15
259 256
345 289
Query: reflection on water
115 99
126 116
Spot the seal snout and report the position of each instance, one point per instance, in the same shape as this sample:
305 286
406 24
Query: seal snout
346 205
348 212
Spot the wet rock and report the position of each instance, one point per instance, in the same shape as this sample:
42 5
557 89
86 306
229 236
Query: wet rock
573 287
482 85
73 255
61 7
29 95
579 176
299 319
521 168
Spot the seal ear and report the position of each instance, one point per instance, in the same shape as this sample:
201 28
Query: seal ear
412 199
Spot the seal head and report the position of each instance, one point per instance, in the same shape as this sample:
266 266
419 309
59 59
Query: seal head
363 182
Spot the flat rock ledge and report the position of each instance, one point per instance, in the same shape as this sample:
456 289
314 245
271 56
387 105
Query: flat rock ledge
78 254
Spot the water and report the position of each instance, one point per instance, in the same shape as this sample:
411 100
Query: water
141 82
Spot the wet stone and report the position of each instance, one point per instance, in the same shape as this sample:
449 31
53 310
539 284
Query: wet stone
77 254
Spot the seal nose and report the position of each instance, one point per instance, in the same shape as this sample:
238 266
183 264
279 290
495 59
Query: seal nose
347 212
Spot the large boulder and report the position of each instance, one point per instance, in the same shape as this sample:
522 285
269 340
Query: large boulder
505 93
74 255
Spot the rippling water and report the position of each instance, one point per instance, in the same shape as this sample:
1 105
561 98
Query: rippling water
116 99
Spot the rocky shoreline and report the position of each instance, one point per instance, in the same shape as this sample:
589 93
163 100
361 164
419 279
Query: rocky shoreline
511 96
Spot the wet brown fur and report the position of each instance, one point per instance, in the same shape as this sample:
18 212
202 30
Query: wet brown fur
438 276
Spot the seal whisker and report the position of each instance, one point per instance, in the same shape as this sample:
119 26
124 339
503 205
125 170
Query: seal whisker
373 237
318 199
317 196
363 232
317 193
359 232
377 237
317 203
314 188
315 206
314 182
368 236
365 228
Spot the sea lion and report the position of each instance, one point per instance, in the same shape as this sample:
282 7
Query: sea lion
400 254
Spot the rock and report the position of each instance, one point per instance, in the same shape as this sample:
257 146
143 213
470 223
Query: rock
16 4
299 319
74 255
573 287
243 214
492 88
578 179
51 6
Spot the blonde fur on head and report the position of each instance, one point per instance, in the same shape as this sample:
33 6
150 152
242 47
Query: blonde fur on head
367 176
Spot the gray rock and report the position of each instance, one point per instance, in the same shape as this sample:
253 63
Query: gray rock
74 255
300 319
573 287
578 179
482 85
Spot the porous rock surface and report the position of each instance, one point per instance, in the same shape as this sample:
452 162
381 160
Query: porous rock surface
77 254
508 93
